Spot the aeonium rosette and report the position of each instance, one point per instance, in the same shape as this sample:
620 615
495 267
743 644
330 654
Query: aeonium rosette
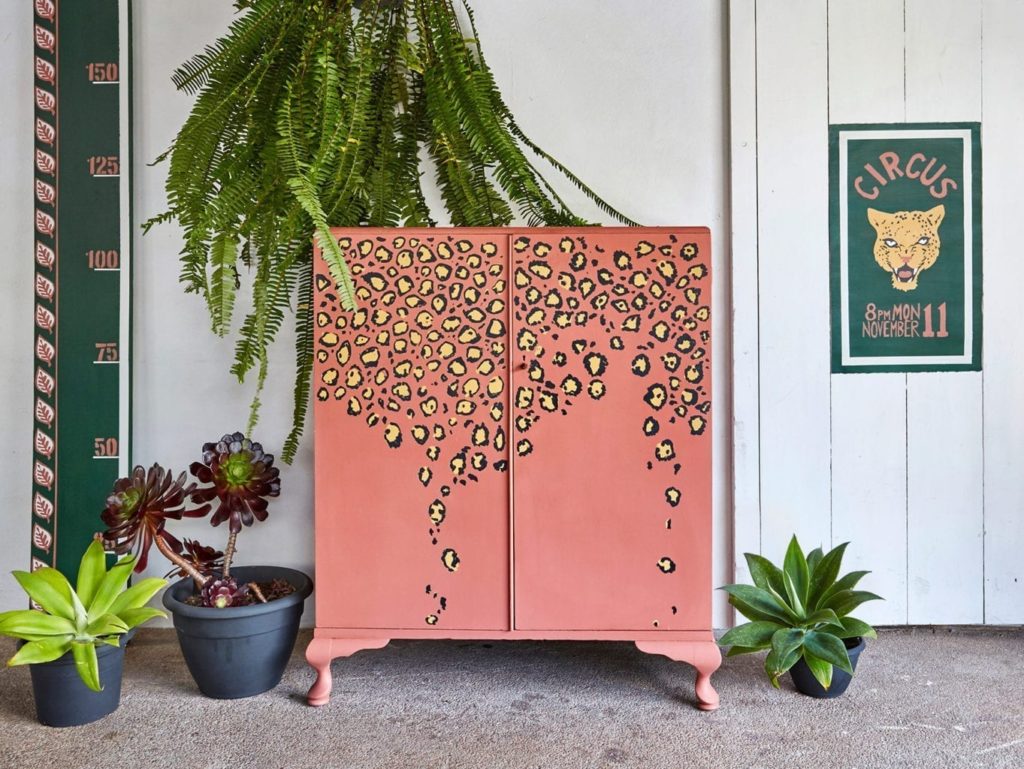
236 473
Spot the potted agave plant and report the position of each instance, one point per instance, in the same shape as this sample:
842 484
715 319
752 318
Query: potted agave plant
236 626
72 642
801 615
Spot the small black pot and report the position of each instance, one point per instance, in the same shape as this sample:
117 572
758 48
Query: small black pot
243 650
61 697
806 683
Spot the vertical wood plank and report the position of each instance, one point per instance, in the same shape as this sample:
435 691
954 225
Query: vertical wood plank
793 272
743 156
1002 169
869 479
944 414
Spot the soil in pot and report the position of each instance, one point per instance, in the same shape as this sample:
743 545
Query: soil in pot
806 683
239 651
63 700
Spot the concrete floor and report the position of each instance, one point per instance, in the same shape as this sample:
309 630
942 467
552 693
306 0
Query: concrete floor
922 698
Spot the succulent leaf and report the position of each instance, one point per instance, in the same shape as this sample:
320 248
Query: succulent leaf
87 664
795 567
91 571
243 479
48 588
41 650
827 647
820 669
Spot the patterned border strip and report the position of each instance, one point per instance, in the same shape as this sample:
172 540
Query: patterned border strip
44 470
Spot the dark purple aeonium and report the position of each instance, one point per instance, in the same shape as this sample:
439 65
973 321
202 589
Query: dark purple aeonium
241 477
139 507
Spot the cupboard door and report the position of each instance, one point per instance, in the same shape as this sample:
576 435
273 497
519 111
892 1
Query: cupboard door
611 430
410 404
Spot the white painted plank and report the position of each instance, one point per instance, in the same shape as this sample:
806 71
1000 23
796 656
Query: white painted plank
1002 169
743 157
944 424
869 478
793 272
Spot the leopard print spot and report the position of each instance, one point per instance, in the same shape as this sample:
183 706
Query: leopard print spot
450 559
694 373
419 434
651 426
392 435
697 425
666 565
524 447
670 361
571 386
641 365
656 396
665 451
437 512
644 247
596 389
328 339
425 474
596 363
673 496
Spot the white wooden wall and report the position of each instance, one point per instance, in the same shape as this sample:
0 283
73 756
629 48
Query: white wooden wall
923 473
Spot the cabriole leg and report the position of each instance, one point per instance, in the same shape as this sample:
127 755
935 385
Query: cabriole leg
319 654
705 656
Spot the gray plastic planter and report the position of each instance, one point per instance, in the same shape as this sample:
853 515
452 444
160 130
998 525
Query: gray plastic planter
239 651
806 683
63 700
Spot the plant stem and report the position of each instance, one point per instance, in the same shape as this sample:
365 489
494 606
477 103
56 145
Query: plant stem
176 559
229 553
259 593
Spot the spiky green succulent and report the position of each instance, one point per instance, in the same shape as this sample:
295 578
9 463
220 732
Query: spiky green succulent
97 610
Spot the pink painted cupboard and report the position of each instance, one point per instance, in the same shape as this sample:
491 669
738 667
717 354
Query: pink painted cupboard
513 440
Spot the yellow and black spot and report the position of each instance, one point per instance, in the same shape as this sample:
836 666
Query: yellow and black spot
450 559
666 565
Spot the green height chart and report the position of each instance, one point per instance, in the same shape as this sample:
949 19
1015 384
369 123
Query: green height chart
82 222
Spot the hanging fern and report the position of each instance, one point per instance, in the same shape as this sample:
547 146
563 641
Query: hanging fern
315 113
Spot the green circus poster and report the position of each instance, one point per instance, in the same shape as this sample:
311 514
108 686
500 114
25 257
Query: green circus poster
905 247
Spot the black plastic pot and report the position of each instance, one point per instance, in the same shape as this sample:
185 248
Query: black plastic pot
61 697
806 683
239 651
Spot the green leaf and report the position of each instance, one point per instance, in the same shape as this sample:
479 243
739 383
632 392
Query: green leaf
28 624
137 595
735 651
794 593
823 616
820 669
107 624
87 664
91 571
110 587
787 640
855 628
795 567
753 635
223 254
828 647
48 588
846 582
764 573
757 604
43 650
135 617
845 601
813 559
825 575
775 666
